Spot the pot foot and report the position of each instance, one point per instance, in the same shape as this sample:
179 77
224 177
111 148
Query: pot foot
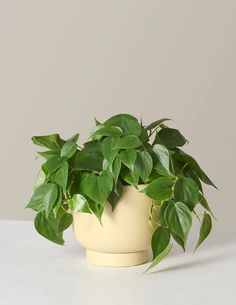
116 259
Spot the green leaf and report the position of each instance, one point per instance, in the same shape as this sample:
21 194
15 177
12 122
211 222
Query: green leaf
205 229
162 165
97 209
130 177
65 221
49 153
98 187
185 158
171 138
202 200
179 241
128 142
44 198
126 122
79 203
160 240
160 257
116 169
74 139
40 179
128 158
48 227
68 149
52 141
159 189
115 194
60 176
161 213
188 172
108 148
156 124
143 165
52 164
89 158
186 190
106 131
58 203
179 220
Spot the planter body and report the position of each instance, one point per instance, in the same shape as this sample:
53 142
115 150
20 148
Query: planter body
124 237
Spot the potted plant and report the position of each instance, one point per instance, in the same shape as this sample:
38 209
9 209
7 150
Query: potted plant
129 188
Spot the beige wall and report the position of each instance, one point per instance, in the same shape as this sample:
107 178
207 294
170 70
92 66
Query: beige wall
64 62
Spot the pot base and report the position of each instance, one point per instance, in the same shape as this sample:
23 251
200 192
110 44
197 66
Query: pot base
116 259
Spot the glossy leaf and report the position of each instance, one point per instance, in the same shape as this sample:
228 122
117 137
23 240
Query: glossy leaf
126 122
130 177
186 190
202 200
179 240
116 169
52 141
79 203
98 187
68 149
160 257
52 164
163 159
109 148
179 220
44 198
171 138
182 156
106 131
128 158
60 176
160 240
49 153
58 203
48 227
159 189
65 221
161 213
74 139
115 195
143 165
128 142
89 158
40 179
205 229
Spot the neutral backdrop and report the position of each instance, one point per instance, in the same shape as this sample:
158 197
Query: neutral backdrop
62 63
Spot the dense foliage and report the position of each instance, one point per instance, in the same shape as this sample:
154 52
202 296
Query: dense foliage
121 151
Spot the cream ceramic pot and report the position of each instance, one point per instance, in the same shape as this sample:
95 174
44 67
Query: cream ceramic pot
124 237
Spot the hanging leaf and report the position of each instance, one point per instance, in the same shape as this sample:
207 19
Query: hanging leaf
160 257
186 190
179 220
205 229
48 227
160 240
60 176
178 240
65 221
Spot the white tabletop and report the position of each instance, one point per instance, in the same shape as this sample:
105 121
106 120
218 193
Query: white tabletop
34 271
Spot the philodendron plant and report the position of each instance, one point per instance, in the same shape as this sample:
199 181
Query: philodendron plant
121 151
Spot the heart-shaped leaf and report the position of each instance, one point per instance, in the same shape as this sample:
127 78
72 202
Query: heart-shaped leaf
68 149
126 122
171 138
160 240
128 158
143 165
186 190
79 203
98 187
159 189
162 165
128 142
60 176
52 141
179 220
